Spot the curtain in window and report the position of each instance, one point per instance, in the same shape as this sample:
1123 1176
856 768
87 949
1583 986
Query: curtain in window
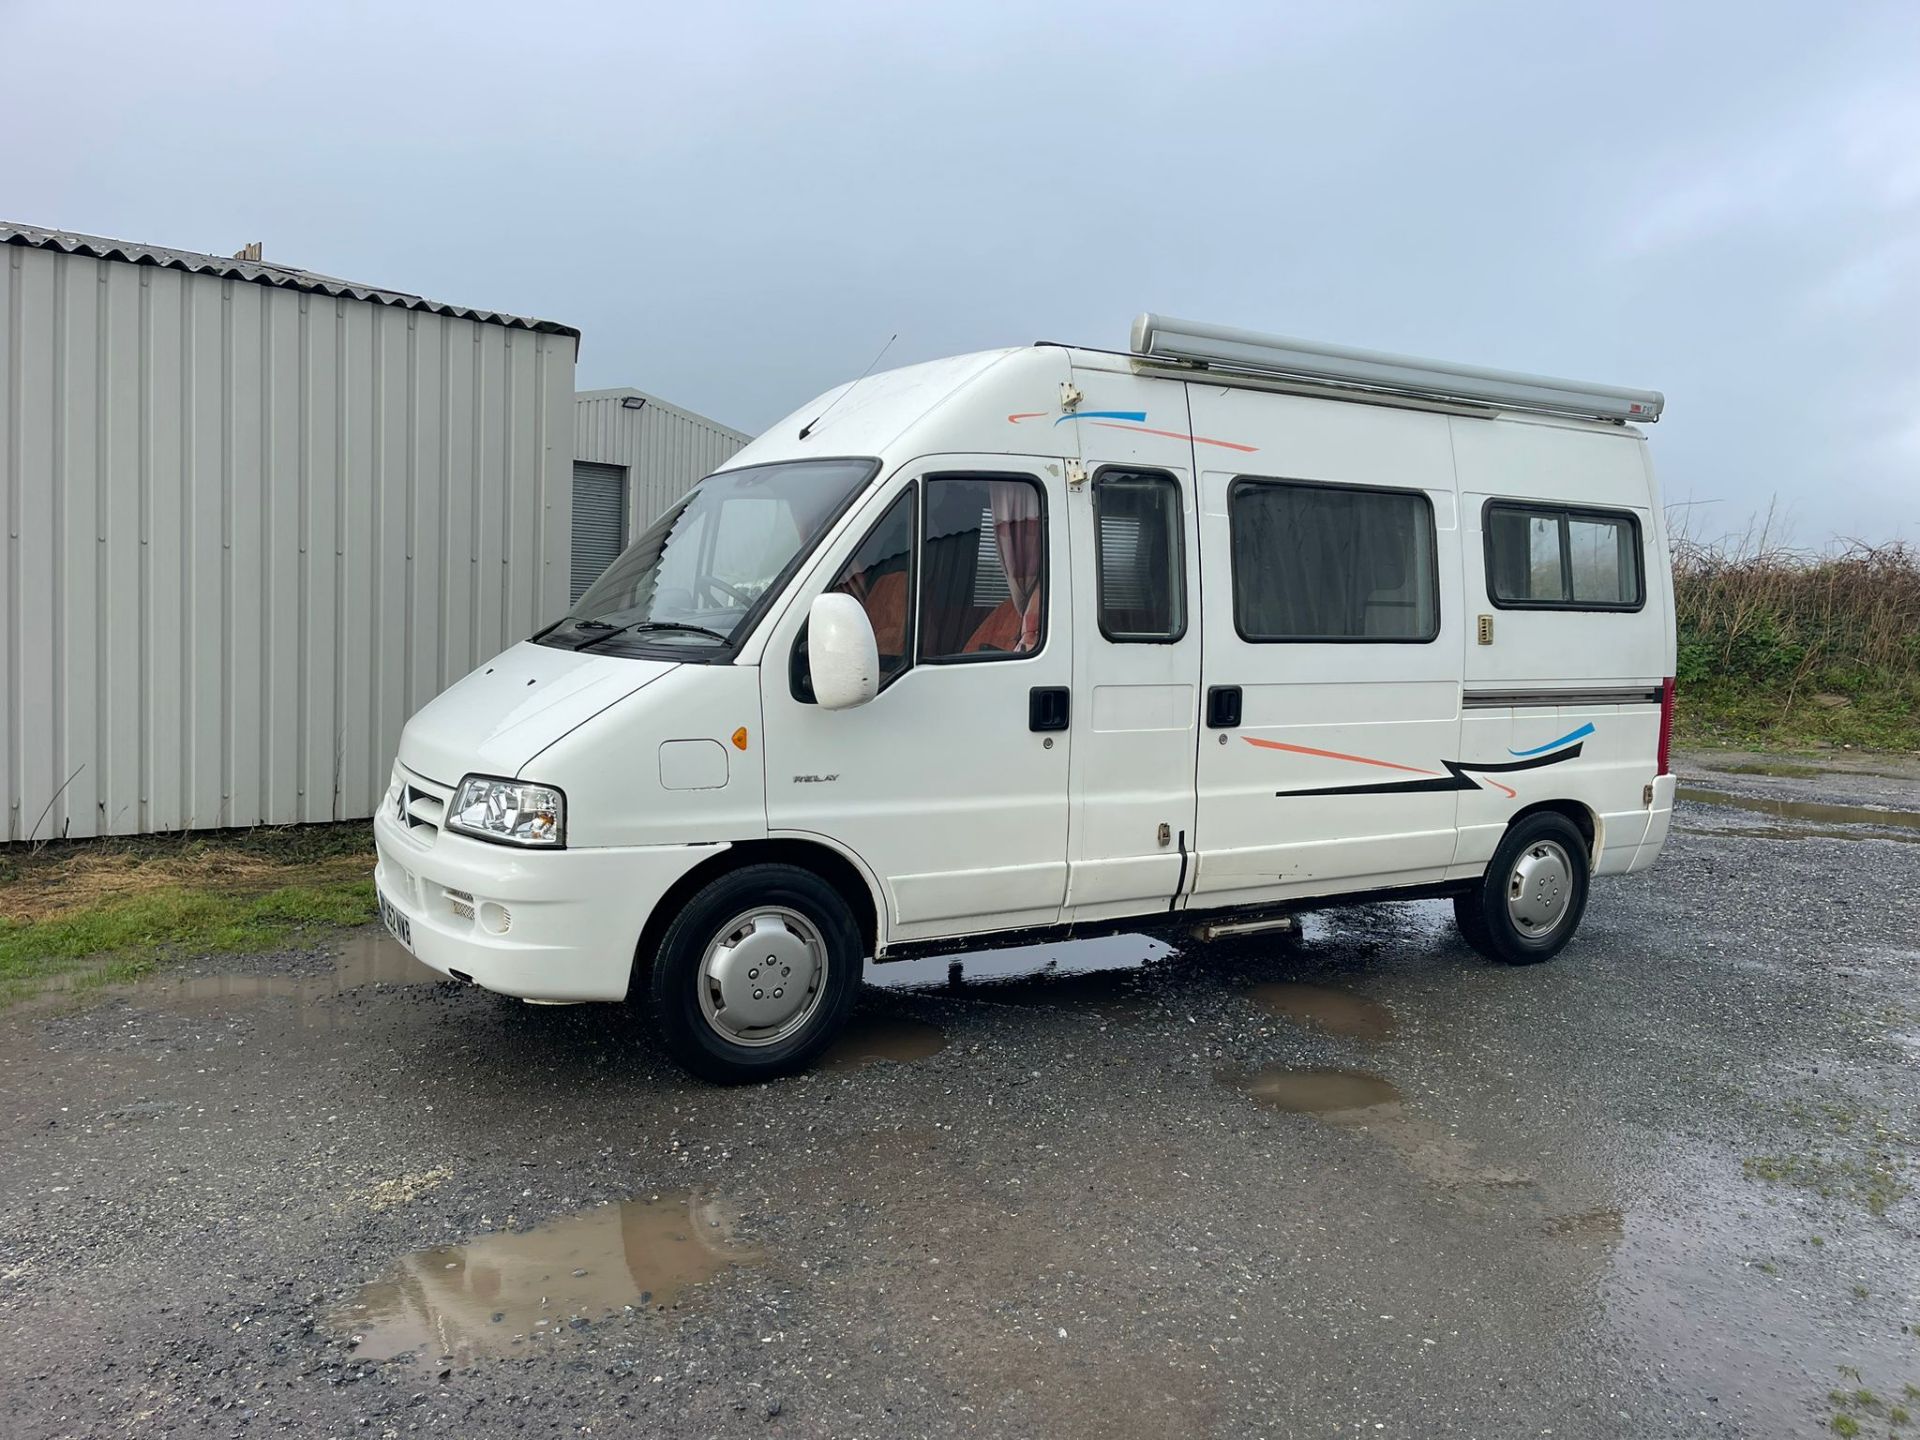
1022 543
1313 562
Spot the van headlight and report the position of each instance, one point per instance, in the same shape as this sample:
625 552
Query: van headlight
511 812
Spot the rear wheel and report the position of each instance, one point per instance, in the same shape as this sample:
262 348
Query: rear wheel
755 975
1529 904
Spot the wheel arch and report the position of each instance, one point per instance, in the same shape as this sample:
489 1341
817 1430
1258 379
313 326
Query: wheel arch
846 875
1592 829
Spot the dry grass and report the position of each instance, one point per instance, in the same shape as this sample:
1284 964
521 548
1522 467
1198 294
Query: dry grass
87 879
94 910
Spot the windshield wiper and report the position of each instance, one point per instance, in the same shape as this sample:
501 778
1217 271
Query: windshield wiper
676 625
649 625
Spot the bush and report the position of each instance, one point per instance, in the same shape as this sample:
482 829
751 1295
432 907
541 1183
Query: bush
1785 646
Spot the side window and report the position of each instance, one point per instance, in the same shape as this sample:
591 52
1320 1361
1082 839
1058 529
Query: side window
1141 556
983 568
1548 557
1332 563
879 574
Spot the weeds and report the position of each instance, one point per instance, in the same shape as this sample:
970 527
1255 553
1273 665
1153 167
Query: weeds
92 912
1788 647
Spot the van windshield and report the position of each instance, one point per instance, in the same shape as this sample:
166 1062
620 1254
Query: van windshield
698 576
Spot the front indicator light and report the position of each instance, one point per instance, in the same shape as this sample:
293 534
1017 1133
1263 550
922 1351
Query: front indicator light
510 812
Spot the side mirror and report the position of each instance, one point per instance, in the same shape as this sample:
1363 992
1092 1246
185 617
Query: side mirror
841 652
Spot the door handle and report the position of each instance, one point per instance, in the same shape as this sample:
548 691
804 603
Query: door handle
1223 707
1048 707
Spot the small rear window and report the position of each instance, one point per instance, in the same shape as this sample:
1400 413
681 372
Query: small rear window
1551 557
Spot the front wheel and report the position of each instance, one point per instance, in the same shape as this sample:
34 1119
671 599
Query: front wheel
755 975
1534 893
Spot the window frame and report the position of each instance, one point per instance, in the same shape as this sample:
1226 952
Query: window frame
1240 482
799 660
1563 513
637 647
925 481
1141 472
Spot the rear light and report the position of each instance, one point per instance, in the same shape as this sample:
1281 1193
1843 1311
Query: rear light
1666 728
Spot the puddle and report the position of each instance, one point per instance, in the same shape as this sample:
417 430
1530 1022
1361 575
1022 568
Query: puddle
1780 769
873 1041
1314 1092
1361 1100
498 1292
1102 977
1116 955
368 959
1337 1012
1783 832
1807 810
365 960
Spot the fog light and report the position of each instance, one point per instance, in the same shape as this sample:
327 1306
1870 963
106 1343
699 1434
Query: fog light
495 917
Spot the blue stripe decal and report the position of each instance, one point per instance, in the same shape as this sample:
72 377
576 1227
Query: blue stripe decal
1580 734
1139 417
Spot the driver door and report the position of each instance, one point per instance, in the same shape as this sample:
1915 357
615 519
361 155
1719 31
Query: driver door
951 785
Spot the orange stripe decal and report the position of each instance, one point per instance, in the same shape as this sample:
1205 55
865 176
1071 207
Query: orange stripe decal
1335 755
1026 415
1176 435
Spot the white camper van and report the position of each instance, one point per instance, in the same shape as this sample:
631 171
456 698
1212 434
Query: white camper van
1050 642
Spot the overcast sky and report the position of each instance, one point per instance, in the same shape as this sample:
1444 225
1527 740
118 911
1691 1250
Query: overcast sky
738 204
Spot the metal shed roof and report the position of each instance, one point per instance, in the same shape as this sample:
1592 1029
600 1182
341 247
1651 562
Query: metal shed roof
258 272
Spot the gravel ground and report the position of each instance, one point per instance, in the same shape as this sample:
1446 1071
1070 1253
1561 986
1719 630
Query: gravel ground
1354 1182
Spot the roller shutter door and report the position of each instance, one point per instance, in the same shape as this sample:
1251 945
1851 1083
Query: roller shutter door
599 520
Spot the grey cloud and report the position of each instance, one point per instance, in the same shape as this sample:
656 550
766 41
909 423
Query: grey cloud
737 204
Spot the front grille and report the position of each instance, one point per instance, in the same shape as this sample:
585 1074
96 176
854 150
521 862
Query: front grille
420 804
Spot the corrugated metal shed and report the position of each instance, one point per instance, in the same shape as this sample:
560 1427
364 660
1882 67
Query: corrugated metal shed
664 449
255 519
258 272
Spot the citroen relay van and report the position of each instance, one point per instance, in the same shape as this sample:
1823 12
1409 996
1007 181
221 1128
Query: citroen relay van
1051 642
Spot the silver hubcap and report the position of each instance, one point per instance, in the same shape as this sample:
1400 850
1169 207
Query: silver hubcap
1540 888
762 976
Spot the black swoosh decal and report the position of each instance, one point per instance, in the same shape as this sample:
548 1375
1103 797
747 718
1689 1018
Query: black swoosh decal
1458 777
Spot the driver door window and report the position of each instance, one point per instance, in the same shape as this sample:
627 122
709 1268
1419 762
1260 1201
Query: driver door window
983 584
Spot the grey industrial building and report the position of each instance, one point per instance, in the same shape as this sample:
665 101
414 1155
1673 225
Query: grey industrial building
633 456
257 516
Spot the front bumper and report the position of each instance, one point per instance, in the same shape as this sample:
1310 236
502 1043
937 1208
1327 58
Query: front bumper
543 925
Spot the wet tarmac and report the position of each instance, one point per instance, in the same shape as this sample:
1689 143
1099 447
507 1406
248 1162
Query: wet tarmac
1315 1092
1353 1181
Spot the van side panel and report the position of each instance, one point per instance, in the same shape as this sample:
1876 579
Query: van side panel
1335 775
1597 747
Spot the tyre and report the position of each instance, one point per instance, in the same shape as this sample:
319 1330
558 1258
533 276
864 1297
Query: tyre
1529 904
755 975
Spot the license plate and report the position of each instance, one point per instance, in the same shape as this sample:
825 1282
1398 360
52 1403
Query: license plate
397 924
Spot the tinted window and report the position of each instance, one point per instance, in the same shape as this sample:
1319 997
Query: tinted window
1547 556
880 576
1327 562
1141 566
983 580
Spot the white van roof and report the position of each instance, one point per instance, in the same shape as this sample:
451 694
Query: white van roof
869 416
